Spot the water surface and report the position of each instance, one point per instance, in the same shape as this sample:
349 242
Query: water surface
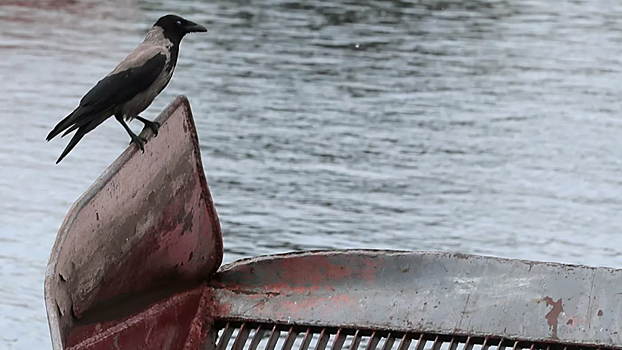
488 127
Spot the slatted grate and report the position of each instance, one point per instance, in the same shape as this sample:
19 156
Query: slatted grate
262 336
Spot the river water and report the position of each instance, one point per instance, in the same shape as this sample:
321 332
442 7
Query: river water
487 127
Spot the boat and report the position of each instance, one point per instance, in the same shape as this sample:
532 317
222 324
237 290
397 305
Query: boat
137 264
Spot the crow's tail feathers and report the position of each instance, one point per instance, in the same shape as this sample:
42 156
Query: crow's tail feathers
81 120
74 141
62 125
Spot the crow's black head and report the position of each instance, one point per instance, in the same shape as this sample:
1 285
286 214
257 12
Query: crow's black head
176 27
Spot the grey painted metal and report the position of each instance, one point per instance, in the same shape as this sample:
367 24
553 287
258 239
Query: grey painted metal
440 293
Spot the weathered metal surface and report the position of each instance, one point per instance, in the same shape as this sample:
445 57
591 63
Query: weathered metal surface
163 325
181 321
147 223
438 293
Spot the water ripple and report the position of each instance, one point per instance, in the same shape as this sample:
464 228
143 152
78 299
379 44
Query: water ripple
489 127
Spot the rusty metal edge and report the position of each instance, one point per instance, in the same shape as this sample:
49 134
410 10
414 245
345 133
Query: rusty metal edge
100 182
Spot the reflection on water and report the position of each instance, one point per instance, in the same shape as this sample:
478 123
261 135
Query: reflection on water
488 127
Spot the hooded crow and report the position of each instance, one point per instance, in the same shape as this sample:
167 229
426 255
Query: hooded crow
131 87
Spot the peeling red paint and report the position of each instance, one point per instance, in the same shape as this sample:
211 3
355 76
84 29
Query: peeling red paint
574 321
308 273
371 269
164 325
301 278
552 317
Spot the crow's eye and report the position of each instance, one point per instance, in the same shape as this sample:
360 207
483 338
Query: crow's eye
178 23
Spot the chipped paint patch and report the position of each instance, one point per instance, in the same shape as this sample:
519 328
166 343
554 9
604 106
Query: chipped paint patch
552 317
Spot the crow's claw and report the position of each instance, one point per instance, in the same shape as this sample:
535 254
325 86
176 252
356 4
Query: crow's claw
139 141
154 126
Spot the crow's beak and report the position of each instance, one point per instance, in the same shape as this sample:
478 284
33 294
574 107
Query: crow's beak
192 27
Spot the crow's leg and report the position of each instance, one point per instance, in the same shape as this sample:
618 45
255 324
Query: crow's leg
139 141
154 126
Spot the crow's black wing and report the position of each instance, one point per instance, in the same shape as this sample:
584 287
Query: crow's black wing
120 87
110 92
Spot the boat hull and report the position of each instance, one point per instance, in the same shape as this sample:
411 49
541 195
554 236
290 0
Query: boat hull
147 225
